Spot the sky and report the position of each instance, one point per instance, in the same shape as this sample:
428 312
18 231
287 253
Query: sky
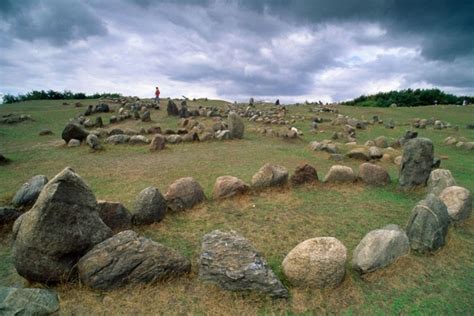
293 50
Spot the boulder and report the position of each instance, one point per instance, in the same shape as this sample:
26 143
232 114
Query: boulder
74 143
375 152
236 125
127 258
372 174
62 226
439 180
45 132
458 200
29 191
146 117
138 140
316 263
229 186
93 142
416 165
183 194
157 143
270 175
74 131
379 248
19 301
172 109
8 214
304 174
359 153
338 174
223 135
381 142
150 206
114 215
428 225
230 261
117 139
174 139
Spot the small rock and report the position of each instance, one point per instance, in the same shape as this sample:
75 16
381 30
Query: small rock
19 301
229 186
93 142
183 194
117 139
157 143
372 174
150 206
45 132
29 191
74 131
359 153
338 174
270 175
138 140
375 152
174 139
114 215
74 143
439 180
304 174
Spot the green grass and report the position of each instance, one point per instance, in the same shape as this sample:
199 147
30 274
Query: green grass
273 220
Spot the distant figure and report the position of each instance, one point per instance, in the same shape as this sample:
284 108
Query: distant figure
157 95
277 102
464 103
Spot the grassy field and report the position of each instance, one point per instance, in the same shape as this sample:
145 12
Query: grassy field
274 220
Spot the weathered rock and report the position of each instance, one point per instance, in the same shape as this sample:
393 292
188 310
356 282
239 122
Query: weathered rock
157 143
174 139
372 174
428 225
150 206
183 194
439 180
338 174
93 142
230 261
45 132
116 131
146 117
458 200
304 174
270 175
127 258
74 143
379 248
416 163
359 153
138 140
336 157
18 301
62 225
375 152
236 125
229 186
118 139
114 215
381 142
154 130
74 131
172 109
8 214
316 263
29 191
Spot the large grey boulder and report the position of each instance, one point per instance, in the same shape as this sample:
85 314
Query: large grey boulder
229 186
25 302
317 263
150 206
127 258
270 175
74 131
236 125
114 215
439 180
417 162
183 194
62 226
29 191
458 200
8 214
372 174
230 261
428 225
379 248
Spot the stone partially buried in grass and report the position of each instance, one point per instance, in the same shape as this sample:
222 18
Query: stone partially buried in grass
229 186
183 194
18 301
372 174
29 191
62 226
150 206
230 261
428 225
340 174
304 174
439 180
270 175
458 200
379 248
127 258
316 263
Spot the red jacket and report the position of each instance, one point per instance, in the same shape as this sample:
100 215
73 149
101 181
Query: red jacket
157 92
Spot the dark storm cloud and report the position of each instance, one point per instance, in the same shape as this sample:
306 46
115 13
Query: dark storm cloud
56 21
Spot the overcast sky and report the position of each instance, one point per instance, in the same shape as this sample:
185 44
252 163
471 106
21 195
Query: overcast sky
294 50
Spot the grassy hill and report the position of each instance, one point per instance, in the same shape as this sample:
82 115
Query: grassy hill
274 221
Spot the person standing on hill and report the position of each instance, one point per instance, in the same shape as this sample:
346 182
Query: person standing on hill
157 95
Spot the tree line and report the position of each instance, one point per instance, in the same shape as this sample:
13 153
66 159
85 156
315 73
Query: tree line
409 97
55 95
